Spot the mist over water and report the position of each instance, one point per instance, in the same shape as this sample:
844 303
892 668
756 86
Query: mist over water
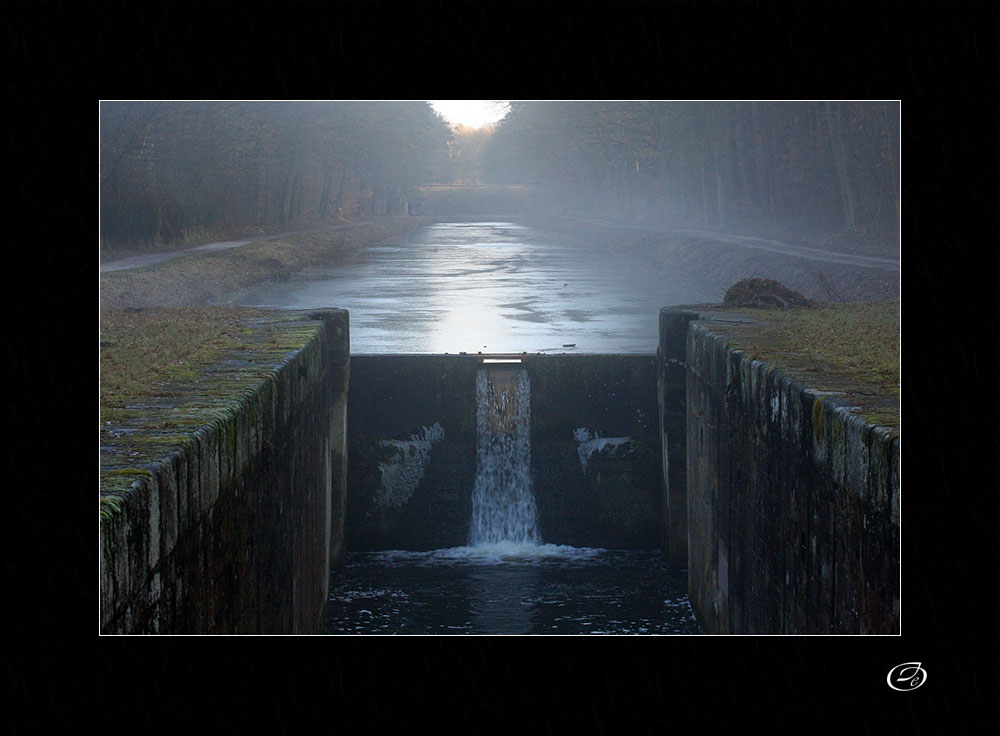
491 287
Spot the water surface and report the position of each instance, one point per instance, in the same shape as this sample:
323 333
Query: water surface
491 287
509 589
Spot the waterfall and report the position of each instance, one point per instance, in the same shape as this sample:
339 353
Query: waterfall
503 498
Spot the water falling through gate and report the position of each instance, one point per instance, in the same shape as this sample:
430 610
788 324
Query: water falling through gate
505 580
503 498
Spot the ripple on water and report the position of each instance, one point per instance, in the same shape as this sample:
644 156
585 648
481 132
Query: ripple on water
508 588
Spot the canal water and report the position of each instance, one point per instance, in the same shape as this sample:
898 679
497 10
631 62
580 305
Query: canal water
507 581
492 287
499 287
509 589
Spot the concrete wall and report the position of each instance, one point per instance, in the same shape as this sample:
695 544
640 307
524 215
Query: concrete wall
792 502
236 532
671 393
412 419
412 450
591 489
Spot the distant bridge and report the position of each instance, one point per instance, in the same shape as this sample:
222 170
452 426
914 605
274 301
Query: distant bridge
473 199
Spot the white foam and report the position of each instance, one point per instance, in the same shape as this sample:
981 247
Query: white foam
591 443
492 554
403 471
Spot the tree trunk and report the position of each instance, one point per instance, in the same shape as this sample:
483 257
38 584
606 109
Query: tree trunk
297 196
890 126
286 202
703 203
760 136
840 167
340 193
720 194
324 198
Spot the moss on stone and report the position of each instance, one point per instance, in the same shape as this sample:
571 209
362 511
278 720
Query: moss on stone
849 350
881 417
150 408
818 414
116 483
860 339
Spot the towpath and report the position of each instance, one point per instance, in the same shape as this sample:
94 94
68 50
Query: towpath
149 259
776 246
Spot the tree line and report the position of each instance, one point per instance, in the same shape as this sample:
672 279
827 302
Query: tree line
172 169
817 164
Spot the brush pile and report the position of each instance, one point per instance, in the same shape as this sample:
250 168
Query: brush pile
763 294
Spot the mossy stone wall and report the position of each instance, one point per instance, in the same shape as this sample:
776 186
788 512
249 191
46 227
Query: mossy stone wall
792 501
235 532
671 395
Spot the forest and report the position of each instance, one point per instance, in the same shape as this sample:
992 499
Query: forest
831 166
172 170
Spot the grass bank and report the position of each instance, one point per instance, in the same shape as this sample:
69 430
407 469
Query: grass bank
206 278
168 371
145 351
717 264
850 349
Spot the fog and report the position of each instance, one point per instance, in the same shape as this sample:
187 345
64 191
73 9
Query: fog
491 287
173 170
560 226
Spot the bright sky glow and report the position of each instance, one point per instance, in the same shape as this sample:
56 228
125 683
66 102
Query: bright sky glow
473 113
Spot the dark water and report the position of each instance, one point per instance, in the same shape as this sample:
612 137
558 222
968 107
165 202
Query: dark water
509 589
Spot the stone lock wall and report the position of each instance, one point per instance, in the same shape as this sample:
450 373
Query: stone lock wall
792 502
671 393
236 533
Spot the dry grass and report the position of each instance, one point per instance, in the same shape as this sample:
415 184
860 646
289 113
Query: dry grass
852 349
143 351
860 340
209 277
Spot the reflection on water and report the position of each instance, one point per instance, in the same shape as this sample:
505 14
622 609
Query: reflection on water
491 287
509 588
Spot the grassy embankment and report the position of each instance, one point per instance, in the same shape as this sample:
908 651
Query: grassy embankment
168 371
206 278
145 351
849 348
169 366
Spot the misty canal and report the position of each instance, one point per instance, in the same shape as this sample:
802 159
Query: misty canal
499 287
494 287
